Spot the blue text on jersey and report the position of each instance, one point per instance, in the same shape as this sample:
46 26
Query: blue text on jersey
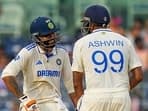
103 43
48 73
115 59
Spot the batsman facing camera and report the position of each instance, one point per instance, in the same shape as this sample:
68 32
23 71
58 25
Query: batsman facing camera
43 32
43 66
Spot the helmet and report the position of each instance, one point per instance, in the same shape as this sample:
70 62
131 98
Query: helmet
43 26
97 14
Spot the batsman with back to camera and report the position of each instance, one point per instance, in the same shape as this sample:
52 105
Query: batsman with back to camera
43 65
106 58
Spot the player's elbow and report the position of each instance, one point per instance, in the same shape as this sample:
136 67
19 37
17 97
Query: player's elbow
140 78
76 86
138 73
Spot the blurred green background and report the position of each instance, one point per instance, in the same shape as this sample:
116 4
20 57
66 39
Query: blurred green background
16 15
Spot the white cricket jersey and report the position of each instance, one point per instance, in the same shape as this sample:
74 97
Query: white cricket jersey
41 73
106 58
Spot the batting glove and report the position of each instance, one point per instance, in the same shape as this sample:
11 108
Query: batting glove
29 104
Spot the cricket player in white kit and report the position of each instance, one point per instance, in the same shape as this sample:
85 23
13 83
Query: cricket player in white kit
106 58
43 65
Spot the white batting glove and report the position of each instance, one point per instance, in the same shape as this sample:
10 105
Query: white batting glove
29 104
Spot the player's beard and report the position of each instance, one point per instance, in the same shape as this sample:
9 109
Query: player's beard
48 45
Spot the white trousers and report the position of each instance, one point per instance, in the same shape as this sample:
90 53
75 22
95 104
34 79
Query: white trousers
105 101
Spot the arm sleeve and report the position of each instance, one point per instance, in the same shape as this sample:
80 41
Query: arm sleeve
67 74
134 60
77 64
16 65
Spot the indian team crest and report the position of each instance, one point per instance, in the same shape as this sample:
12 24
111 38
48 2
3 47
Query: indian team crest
58 61
50 25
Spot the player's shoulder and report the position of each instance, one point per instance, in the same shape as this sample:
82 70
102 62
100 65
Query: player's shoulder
60 48
83 40
122 37
28 49
30 46
85 37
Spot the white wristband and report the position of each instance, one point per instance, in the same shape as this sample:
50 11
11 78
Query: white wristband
23 98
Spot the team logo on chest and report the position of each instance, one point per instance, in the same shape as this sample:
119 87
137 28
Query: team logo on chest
58 61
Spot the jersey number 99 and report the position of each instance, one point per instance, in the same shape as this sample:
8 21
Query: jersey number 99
114 58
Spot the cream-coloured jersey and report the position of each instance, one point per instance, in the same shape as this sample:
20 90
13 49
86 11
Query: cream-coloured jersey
42 73
106 59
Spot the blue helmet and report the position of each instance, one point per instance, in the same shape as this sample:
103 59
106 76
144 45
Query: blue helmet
98 14
42 26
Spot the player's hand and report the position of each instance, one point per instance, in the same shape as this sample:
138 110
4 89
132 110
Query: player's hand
29 104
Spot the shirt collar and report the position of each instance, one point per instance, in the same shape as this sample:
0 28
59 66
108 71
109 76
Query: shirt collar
53 52
101 29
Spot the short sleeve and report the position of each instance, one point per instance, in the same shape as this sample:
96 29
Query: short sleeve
16 65
77 64
134 60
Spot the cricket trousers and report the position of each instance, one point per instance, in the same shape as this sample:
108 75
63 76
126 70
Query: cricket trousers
105 100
